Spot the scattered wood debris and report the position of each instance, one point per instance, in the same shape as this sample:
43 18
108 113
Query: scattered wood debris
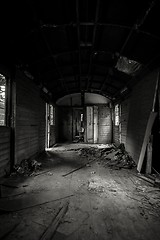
82 166
26 167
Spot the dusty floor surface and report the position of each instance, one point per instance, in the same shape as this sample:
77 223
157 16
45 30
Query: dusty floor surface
104 203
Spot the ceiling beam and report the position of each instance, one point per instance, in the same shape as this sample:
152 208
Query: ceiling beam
93 43
74 90
136 26
55 63
79 41
107 83
37 20
65 53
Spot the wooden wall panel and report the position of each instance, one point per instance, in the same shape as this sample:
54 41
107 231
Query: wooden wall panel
4 150
30 119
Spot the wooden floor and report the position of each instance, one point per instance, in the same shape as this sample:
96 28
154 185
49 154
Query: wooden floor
103 203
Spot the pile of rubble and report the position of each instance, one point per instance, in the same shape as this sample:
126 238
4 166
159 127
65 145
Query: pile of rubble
90 152
120 158
26 168
114 157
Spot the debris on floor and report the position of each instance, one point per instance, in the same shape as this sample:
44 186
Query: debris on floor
103 203
26 167
94 186
114 157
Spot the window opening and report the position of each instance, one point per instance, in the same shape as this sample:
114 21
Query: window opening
117 115
52 115
2 100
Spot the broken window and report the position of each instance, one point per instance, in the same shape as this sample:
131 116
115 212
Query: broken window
2 100
116 112
52 115
128 66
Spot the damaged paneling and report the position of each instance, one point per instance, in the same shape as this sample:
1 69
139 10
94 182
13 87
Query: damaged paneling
30 119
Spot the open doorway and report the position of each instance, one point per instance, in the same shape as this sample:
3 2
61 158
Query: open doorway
78 125
50 125
92 124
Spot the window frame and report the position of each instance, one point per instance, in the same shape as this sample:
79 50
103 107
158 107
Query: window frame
117 115
4 119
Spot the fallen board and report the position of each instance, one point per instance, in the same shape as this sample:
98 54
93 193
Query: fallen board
51 229
31 200
76 169
145 141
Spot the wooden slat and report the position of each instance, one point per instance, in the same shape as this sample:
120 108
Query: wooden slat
30 119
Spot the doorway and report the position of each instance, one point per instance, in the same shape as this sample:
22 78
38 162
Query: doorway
92 124
98 124
50 125
78 125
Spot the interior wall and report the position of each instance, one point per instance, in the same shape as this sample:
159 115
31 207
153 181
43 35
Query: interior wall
141 103
116 134
65 124
116 130
30 119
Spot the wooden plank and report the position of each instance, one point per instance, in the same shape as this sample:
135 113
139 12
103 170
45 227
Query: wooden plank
51 229
145 141
74 170
149 155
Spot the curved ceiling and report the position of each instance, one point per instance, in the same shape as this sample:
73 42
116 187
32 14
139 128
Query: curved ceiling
75 46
